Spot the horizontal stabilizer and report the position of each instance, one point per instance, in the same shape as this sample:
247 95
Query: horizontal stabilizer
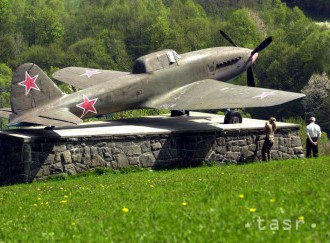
86 77
5 112
59 118
212 94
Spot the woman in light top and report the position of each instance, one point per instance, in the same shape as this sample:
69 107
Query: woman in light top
270 128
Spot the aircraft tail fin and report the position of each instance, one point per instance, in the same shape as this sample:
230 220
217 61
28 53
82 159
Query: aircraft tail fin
31 88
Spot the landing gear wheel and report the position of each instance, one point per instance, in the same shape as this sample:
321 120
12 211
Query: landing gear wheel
49 128
233 117
175 113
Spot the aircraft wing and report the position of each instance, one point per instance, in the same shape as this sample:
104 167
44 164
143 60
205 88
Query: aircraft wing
59 118
212 94
86 77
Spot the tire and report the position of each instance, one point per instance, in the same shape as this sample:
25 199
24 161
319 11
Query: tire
49 128
175 113
233 117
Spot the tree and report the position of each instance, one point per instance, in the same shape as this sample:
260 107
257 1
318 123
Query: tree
4 9
243 30
316 92
5 82
42 26
11 48
45 56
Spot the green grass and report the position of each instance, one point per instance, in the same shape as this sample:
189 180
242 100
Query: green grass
198 204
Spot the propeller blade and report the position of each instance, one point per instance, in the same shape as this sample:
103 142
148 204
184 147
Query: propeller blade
262 45
250 77
227 38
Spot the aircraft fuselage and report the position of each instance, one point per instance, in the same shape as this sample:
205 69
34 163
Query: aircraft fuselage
132 91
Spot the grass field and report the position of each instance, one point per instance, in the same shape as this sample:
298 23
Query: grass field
277 201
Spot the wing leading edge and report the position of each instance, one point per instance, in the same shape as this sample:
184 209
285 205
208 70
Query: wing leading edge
212 94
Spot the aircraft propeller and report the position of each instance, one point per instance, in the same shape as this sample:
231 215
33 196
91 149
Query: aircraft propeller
254 55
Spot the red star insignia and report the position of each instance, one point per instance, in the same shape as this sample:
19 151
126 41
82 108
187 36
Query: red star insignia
87 105
29 83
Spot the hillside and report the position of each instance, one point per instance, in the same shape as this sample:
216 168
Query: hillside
112 34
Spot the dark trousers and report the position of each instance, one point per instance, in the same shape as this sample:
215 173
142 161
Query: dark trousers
310 147
266 148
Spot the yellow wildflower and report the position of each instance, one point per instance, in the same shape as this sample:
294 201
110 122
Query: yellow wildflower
124 210
184 203
152 186
39 198
253 210
63 201
301 218
66 196
36 205
272 200
241 196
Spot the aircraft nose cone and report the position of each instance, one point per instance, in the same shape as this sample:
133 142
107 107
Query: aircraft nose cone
255 57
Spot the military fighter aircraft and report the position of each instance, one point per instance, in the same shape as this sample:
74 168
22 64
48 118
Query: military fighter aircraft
160 80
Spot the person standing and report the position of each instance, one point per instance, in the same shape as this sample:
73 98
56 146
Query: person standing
270 128
313 134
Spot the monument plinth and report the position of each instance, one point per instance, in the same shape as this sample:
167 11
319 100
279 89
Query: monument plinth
155 142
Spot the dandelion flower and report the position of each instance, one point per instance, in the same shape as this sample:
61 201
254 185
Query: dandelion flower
253 210
241 196
184 203
272 200
63 201
66 196
124 210
36 205
47 203
301 218
73 223
39 198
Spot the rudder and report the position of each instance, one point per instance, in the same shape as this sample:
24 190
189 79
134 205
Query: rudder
31 88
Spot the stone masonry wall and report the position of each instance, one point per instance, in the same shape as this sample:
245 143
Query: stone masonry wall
39 158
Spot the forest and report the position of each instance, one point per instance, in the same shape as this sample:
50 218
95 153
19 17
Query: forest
111 34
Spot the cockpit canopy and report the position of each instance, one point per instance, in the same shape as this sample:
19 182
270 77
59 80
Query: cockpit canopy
155 61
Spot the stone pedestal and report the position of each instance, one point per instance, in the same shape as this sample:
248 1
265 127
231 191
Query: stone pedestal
158 142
